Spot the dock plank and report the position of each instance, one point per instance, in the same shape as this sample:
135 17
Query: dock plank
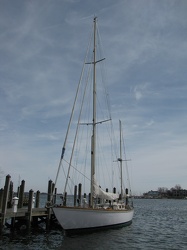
21 212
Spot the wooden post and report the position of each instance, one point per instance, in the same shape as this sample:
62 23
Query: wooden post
12 223
107 192
21 194
54 198
89 199
65 199
49 199
5 200
49 195
1 197
79 194
126 200
114 191
37 199
9 204
75 195
29 214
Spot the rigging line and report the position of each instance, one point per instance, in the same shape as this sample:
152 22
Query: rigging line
75 138
101 161
81 112
125 159
110 132
104 73
78 171
86 113
113 142
88 135
102 78
113 153
71 117
127 171
114 139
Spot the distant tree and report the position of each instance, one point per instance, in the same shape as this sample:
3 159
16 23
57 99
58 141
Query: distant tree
162 190
169 193
178 187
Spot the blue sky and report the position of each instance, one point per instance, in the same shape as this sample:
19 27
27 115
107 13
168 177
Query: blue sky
42 47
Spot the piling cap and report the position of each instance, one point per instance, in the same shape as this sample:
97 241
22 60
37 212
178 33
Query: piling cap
15 198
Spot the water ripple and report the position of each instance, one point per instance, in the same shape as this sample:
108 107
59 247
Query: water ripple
158 224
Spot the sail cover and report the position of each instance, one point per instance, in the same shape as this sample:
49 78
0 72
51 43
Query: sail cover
100 193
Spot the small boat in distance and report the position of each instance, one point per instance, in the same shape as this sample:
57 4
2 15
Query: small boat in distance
101 209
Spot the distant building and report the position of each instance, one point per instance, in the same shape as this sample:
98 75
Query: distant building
172 193
152 194
178 193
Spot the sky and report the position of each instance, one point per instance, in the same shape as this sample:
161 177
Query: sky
42 47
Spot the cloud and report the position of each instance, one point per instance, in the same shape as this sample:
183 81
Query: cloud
138 94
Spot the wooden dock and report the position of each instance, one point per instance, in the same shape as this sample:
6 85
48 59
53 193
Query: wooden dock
23 212
12 212
22 209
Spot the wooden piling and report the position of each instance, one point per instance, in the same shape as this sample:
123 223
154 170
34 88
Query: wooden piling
75 195
79 193
54 198
13 223
9 204
1 197
5 200
50 191
49 199
89 199
107 192
52 194
21 194
126 200
65 199
31 215
37 199
48 218
30 206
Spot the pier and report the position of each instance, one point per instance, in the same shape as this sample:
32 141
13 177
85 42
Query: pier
18 210
24 210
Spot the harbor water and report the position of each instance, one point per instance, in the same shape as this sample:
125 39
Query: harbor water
157 224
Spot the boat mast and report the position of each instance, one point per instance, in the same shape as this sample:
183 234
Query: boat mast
93 141
120 160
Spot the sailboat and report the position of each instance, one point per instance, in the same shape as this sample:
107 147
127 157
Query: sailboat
102 209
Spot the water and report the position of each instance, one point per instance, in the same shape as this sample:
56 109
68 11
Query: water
157 224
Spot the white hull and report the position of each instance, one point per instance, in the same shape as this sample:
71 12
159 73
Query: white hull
84 218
